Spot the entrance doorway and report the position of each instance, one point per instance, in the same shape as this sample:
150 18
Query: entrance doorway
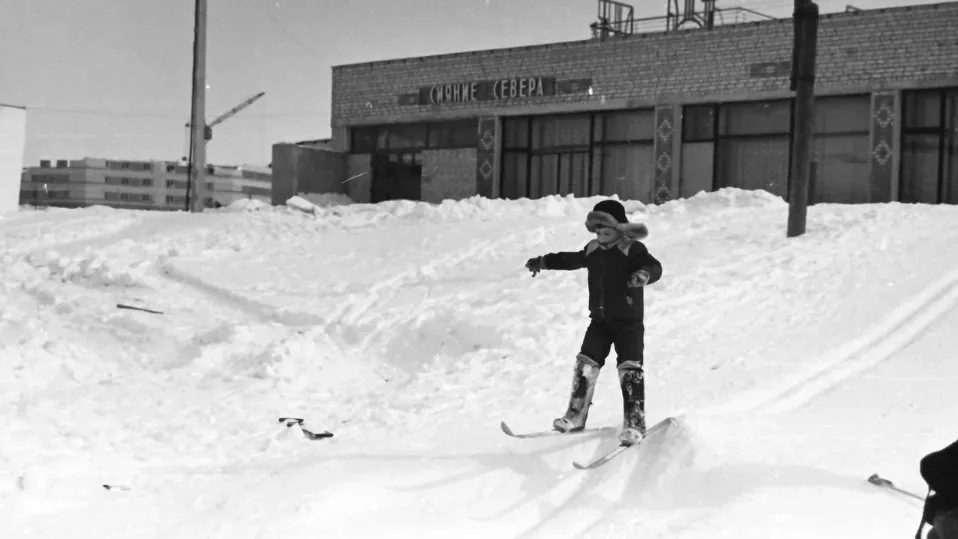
396 176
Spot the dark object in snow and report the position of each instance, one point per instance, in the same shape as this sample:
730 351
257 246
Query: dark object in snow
310 435
115 487
939 469
619 449
316 435
540 434
877 480
133 308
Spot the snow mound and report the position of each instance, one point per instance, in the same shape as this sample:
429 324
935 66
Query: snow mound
724 199
325 200
297 361
247 205
90 267
349 214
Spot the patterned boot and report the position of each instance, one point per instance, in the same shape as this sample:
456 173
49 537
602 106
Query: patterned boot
632 382
583 386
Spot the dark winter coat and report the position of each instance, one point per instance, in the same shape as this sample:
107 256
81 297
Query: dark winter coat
613 292
940 471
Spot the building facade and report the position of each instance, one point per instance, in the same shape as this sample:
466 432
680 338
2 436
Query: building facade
145 185
659 116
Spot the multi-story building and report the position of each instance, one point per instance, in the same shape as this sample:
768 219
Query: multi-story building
147 185
658 115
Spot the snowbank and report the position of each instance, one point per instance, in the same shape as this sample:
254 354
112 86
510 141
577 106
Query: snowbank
797 368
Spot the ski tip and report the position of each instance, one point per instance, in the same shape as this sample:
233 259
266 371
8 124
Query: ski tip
505 428
578 466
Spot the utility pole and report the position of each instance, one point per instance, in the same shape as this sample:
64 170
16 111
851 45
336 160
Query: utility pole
196 182
804 51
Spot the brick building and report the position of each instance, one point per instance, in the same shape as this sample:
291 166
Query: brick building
661 115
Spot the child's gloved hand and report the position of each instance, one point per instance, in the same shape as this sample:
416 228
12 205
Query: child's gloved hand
534 265
639 279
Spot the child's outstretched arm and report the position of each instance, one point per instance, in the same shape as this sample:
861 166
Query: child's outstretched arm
566 261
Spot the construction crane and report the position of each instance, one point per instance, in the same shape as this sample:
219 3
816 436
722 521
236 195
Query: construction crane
208 131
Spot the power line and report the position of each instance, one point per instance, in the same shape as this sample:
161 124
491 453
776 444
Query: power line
178 117
292 39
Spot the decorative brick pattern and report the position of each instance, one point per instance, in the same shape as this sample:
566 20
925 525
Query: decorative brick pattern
857 51
664 131
883 160
448 174
486 156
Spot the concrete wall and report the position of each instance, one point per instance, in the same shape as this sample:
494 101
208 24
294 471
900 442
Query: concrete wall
300 169
13 134
858 52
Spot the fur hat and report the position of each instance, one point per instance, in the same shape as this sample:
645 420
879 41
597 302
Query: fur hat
611 213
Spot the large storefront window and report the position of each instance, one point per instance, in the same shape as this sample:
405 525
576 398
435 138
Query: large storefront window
748 146
929 161
743 145
840 159
752 148
579 154
624 153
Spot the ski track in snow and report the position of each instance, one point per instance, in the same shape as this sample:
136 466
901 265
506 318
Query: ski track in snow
410 333
901 328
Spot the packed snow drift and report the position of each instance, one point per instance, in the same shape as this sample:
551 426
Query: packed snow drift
146 358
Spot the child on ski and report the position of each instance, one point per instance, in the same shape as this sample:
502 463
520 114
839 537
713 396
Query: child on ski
619 267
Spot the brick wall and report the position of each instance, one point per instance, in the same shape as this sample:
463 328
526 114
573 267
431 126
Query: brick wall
448 174
887 48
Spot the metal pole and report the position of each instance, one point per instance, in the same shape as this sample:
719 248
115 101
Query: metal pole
805 48
196 184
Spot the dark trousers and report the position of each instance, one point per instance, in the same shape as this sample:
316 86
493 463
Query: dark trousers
946 525
627 336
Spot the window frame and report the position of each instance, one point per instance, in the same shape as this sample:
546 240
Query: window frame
941 132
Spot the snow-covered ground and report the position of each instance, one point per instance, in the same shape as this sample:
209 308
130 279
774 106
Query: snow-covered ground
796 368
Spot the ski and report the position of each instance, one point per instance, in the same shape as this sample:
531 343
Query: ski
619 449
541 434
877 480
310 435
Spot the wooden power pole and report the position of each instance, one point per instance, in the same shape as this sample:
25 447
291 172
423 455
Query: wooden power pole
804 51
196 182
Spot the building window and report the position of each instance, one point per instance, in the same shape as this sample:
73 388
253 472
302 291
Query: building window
841 167
748 146
698 150
624 154
578 154
414 137
742 145
929 160
753 146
